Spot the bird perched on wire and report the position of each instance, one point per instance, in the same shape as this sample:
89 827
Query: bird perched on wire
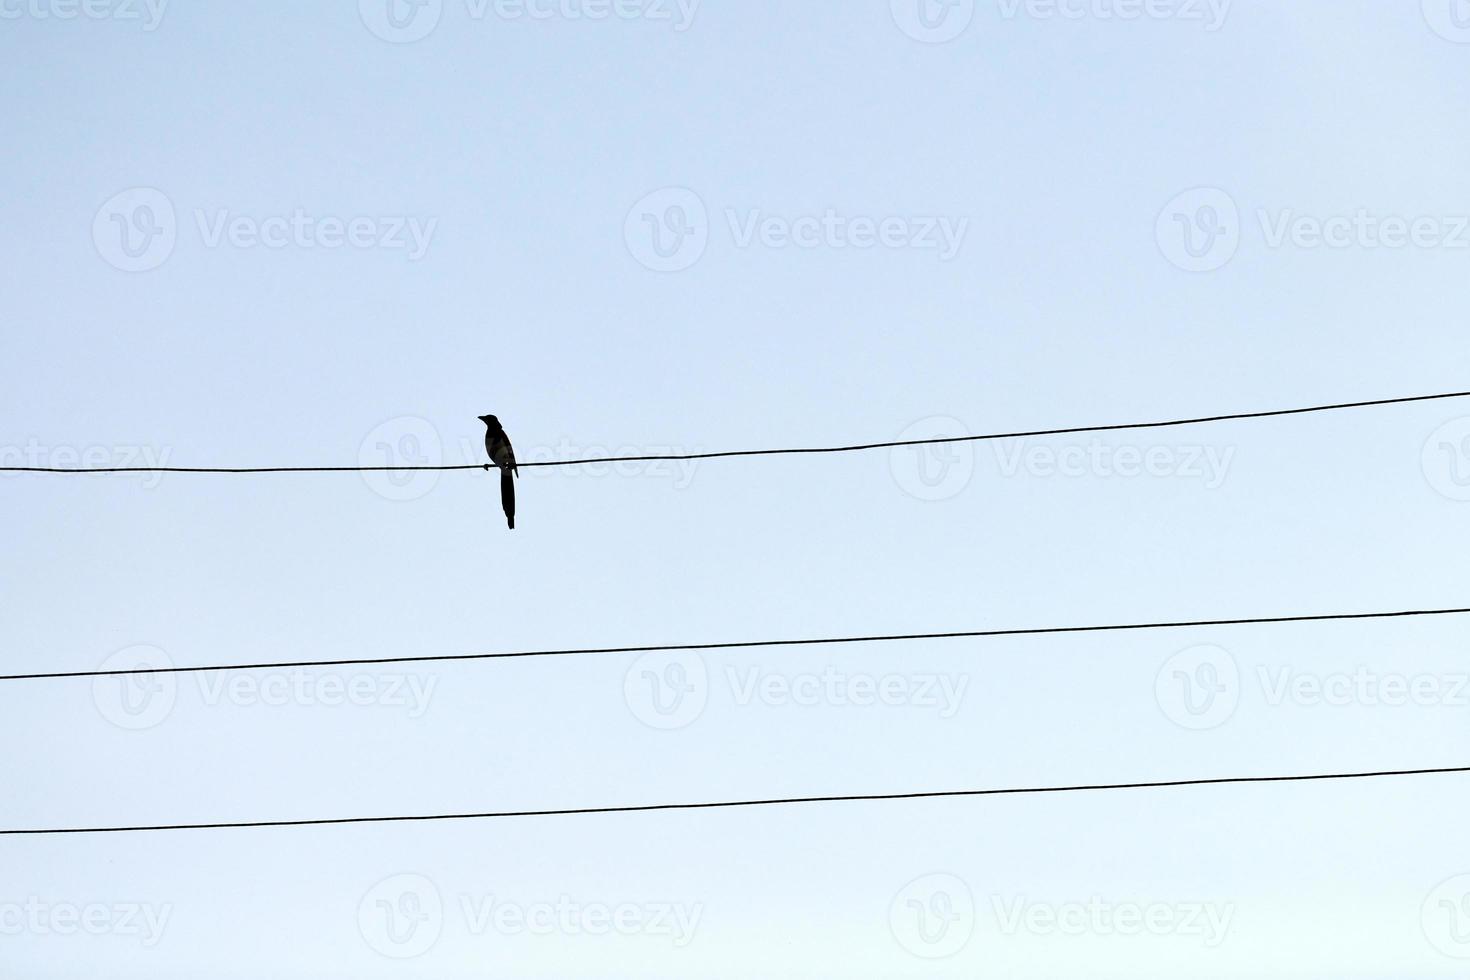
502 455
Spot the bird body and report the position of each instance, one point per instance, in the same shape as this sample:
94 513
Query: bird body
503 456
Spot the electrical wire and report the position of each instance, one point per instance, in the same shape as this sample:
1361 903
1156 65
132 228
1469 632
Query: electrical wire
862 447
733 804
739 644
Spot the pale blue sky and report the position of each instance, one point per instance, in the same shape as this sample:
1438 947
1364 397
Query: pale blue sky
1054 145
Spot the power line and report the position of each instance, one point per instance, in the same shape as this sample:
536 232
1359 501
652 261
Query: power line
732 804
1074 430
742 644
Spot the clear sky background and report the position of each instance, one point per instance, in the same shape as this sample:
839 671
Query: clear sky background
247 317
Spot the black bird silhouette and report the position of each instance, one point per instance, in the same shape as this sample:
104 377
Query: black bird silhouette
497 445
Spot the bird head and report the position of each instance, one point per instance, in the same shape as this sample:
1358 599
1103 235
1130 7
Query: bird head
490 421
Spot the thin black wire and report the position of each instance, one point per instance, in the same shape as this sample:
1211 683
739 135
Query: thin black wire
750 452
731 804
744 644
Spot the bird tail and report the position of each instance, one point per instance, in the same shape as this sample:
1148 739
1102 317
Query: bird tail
508 497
